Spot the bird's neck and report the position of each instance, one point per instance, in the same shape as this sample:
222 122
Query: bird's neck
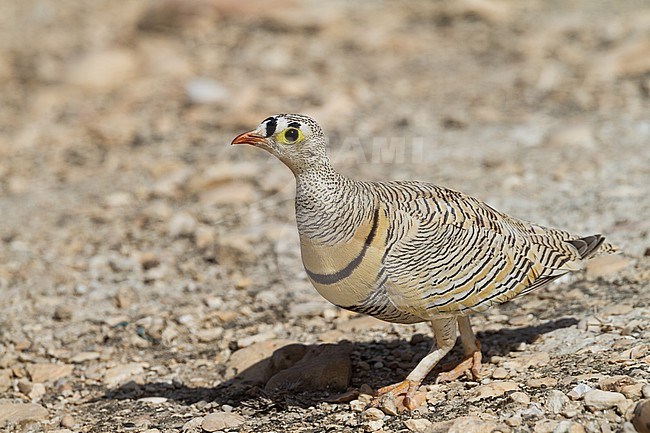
319 183
319 193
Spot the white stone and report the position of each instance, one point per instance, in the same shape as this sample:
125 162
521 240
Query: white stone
419 425
221 421
600 400
556 400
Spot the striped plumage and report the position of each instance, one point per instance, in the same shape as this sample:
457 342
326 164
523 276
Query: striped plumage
408 252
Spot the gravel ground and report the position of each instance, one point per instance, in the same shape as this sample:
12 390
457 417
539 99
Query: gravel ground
148 271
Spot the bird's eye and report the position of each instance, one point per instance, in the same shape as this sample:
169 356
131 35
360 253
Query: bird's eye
291 135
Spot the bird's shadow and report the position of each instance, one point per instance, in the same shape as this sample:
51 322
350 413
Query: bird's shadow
236 391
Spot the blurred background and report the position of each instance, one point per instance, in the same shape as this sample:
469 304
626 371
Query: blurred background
121 199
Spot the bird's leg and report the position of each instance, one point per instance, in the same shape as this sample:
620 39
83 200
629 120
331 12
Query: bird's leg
471 365
445 335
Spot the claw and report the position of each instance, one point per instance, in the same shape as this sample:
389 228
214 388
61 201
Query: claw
470 367
406 388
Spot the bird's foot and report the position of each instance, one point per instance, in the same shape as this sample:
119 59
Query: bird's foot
403 394
470 367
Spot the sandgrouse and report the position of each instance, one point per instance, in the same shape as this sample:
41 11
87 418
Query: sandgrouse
408 252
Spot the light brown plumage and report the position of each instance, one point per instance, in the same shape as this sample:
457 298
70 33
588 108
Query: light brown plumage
409 252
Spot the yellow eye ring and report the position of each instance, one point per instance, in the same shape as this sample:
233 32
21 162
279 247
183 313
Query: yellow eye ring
290 135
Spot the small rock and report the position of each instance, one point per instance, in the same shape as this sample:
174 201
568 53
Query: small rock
312 308
153 400
579 391
373 414
419 425
255 338
221 421
641 417
211 334
556 400
63 313
67 421
5 379
388 406
203 90
358 405
520 398
122 373
253 364
375 425
493 389
545 426
523 362
193 424
645 391
470 424
44 372
21 412
84 357
322 366
181 224
597 399
499 373
539 382
576 428
514 421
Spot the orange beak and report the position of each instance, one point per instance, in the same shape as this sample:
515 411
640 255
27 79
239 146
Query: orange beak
248 138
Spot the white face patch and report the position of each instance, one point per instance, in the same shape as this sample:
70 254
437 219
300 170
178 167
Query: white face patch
275 124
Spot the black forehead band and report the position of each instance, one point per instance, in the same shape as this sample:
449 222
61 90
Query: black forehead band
271 124
294 125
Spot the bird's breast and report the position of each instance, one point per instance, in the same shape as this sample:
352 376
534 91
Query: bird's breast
346 272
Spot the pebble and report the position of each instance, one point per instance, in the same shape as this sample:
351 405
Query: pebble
545 426
21 412
121 373
555 401
520 398
645 391
63 313
579 391
221 421
67 421
597 399
193 424
324 366
493 389
540 382
499 373
373 414
48 372
256 338
375 425
181 224
523 362
82 357
641 417
358 405
253 364
418 425
388 406
153 400
5 379
201 90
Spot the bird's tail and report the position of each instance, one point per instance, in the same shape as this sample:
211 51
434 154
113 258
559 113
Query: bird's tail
590 246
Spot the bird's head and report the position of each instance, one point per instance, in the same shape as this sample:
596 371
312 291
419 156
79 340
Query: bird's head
295 139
